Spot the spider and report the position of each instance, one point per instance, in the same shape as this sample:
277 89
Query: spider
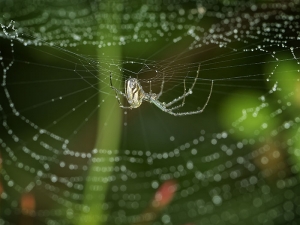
135 95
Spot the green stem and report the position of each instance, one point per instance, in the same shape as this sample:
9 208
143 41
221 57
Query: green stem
109 127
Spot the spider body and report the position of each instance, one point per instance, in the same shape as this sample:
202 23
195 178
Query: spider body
135 96
134 92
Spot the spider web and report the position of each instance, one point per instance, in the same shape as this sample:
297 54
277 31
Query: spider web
71 155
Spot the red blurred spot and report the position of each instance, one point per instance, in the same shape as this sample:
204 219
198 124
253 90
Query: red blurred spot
161 199
165 193
28 204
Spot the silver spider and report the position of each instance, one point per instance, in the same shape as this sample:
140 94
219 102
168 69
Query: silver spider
135 95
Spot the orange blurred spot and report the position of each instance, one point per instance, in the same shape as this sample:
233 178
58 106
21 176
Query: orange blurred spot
270 159
28 204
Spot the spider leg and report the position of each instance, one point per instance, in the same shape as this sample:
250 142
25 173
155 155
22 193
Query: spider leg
193 112
116 90
183 96
185 93
150 88
161 87
117 96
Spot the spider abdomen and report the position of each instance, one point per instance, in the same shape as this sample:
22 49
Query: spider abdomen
134 92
